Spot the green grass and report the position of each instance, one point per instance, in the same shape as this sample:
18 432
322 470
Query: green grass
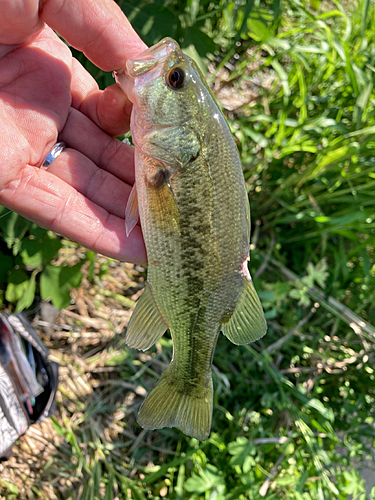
293 412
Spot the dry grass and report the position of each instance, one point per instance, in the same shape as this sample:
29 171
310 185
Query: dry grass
96 402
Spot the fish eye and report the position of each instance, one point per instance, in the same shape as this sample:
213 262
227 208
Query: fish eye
176 78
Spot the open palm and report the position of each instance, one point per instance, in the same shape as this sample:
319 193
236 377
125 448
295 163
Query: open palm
46 96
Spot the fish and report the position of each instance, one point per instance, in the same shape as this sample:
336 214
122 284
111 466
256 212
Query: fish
190 198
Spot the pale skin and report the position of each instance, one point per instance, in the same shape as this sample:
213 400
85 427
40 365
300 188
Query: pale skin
47 96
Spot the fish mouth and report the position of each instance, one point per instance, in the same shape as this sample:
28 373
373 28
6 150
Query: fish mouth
146 66
151 57
125 82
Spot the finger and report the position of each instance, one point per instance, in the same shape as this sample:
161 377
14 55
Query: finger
114 110
109 109
19 20
98 28
110 154
99 186
55 205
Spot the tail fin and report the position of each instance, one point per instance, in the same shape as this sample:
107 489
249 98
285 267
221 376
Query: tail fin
168 406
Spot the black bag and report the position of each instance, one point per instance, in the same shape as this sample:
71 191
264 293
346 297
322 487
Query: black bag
28 381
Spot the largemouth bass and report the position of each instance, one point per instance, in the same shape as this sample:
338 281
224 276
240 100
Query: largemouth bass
194 212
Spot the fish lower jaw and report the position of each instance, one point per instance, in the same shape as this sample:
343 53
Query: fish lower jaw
126 83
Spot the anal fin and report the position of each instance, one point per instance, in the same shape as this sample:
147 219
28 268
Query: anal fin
247 323
146 324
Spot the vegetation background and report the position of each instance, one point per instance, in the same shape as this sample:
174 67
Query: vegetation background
294 412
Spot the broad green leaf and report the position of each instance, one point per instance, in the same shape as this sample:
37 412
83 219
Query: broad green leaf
13 227
271 314
203 43
301 296
151 20
316 274
207 479
354 482
18 282
258 30
56 282
28 297
6 264
240 449
37 253
286 480
248 464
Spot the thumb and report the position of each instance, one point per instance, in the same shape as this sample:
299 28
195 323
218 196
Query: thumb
98 28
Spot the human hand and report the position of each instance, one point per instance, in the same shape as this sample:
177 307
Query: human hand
45 96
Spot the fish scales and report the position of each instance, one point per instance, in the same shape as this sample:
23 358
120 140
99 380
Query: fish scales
184 264
193 207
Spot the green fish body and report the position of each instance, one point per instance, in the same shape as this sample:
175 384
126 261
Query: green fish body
195 217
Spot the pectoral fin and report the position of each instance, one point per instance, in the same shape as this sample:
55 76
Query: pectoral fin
131 211
146 325
247 322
